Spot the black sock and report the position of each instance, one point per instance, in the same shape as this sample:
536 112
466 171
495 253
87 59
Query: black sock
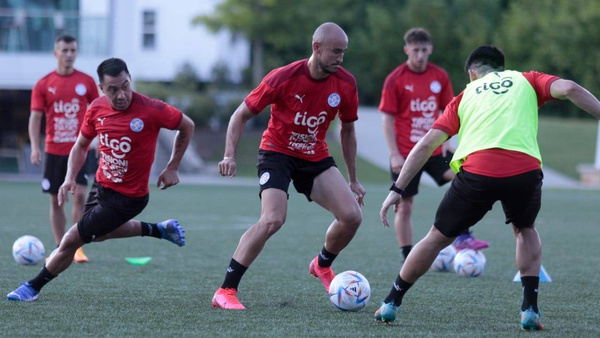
530 292
234 274
406 250
397 292
150 229
326 258
42 278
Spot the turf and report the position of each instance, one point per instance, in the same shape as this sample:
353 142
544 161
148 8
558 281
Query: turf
170 296
567 143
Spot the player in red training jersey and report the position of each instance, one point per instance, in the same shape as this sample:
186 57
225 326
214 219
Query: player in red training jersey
414 94
497 159
127 125
62 97
305 96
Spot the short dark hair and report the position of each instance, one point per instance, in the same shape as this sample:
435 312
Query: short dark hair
417 34
66 38
486 55
111 67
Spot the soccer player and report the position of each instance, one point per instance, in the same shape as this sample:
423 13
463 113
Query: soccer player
414 95
62 97
127 124
497 158
305 96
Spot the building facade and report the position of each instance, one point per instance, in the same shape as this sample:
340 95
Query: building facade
155 37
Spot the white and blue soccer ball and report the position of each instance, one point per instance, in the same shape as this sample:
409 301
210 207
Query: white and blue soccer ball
349 291
445 259
469 263
28 250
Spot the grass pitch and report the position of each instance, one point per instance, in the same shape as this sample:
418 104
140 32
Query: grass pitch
171 295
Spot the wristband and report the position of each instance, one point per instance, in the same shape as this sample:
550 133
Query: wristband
395 189
229 158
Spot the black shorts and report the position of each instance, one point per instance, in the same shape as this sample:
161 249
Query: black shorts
55 170
276 170
471 196
92 198
435 166
107 210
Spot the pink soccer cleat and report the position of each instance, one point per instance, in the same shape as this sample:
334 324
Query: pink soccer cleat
227 299
467 241
326 275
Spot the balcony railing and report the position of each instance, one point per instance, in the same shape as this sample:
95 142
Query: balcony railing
23 31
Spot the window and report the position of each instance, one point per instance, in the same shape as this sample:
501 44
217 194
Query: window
32 25
149 30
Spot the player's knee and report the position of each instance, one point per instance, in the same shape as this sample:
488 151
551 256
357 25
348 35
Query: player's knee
79 199
351 218
405 207
70 242
272 224
520 229
404 214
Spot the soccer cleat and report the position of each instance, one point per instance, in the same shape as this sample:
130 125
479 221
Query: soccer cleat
326 275
530 321
386 312
467 241
80 256
172 231
226 298
24 293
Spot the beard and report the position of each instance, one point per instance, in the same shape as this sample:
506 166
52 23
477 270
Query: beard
328 69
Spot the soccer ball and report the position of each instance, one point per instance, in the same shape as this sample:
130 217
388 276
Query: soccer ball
444 260
28 250
469 263
349 291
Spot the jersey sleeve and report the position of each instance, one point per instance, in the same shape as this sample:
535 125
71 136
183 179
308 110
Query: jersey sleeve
261 96
389 97
541 84
88 129
38 100
349 109
449 122
171 117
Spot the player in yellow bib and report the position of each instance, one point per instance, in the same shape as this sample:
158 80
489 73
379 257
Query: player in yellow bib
497 159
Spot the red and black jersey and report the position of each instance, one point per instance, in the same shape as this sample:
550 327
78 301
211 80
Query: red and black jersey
63 100
127 140
302 108
415 100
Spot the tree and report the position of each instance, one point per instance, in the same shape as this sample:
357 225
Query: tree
558 37
456 28
554 36
280 31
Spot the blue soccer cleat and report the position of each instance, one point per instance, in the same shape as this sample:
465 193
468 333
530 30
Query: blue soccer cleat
172 231
530 321
24 293
386 313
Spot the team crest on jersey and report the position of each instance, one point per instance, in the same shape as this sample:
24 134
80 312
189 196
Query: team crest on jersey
136 125
334 100
435 87
264 178
80 89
